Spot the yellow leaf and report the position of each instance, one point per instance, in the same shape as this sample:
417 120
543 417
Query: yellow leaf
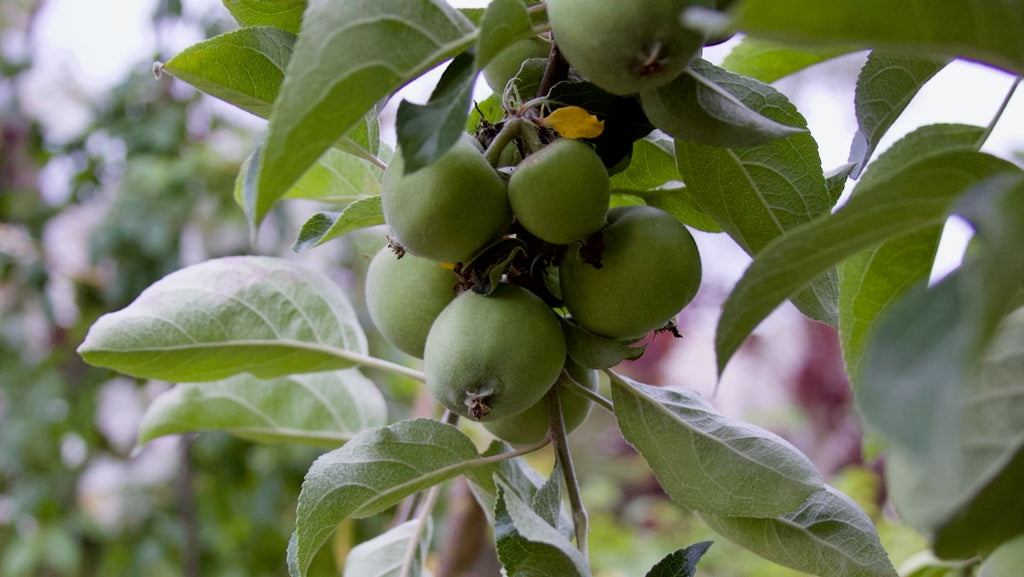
574 122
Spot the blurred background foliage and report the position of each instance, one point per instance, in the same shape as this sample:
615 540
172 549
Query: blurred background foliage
146 189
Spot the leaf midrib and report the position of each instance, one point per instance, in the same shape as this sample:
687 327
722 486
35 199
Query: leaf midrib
659 407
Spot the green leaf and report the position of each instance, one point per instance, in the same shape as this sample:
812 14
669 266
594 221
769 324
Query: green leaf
547 501
528 545
652 165
835 181
769 61
336 177
709 462
322 409
966 494
885 87
956 474
757 194
385 555
682 563
829 535
488 110
349 56
373 471
930 341
427 131
653 177
260 315
284 14
707 105
917 197
517 477
926 564
504 23
923 143
679 203
350 170
872 279
244 67
1005 561
363 139
475 15
325 226
984 30
992 514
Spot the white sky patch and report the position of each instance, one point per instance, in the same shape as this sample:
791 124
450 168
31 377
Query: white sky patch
93 44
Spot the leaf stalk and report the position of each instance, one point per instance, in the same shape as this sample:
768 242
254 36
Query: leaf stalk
576 388
421 525
379 364
513 129
561 441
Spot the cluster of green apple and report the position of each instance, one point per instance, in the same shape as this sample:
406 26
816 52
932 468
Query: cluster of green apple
492 351
489 272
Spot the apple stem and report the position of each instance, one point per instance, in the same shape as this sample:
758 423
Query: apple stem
513 129
421 525
576 388
560 438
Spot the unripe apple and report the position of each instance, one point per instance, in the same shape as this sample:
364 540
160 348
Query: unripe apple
507 63
449 210
560 193
405 295
491 357
625 46
531 425
650 269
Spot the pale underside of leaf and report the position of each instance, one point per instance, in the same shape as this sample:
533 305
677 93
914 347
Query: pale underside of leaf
374 471
323 409
385 554
829 536
713 463
528 545
517 477
261 315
